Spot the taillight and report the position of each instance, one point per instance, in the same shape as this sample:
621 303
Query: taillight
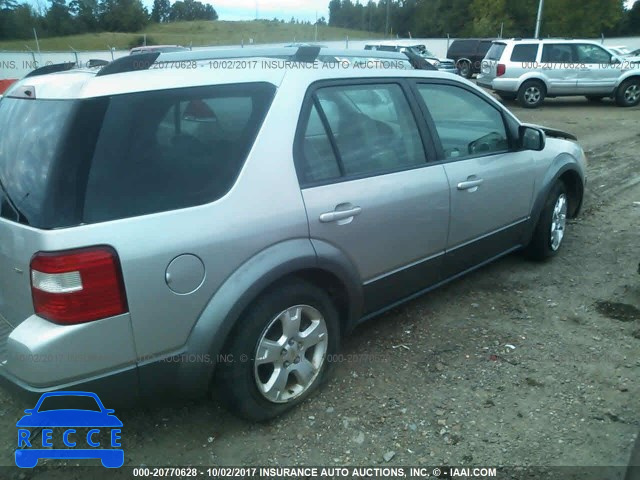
78 286
501 70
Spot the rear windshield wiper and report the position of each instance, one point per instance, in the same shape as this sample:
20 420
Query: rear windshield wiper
11 204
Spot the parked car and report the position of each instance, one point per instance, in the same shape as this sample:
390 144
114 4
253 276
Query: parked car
620 50
442 64
531 70
157 48
225 229
467 53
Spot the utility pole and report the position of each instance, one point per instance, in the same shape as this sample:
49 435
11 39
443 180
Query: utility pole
386 28
539 20
316 35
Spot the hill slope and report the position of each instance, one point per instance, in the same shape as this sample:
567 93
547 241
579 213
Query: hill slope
198 33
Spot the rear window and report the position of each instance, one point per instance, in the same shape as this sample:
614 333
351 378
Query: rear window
67 162
524 53
460 47
495 52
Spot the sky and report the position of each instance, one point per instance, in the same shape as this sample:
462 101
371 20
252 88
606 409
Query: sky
282 9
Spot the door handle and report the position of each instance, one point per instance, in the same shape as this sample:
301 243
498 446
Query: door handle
337 215
469 184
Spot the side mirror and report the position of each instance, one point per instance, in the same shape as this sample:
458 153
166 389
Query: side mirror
531 138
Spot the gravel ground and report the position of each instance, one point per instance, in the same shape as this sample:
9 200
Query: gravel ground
517 364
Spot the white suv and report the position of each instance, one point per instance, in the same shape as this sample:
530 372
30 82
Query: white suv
530 70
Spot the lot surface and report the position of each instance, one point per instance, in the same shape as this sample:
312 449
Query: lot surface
445 388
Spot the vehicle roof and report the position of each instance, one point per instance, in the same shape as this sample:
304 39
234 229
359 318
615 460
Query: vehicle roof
198 68
151 47
77 84
397 43
545 40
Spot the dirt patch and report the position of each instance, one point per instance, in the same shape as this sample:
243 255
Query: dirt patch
618 311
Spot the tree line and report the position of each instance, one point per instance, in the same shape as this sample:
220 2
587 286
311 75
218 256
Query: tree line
487 18
61 18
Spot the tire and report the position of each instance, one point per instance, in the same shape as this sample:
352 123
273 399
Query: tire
628 94
594 98
551 227
464 69
243 381
531 94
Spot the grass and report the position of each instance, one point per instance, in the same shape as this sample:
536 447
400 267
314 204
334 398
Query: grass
199 33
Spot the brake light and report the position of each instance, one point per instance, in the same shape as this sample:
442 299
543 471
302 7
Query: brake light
78 286
501 70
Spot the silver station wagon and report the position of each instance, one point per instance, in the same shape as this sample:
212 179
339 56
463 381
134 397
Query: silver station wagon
172 228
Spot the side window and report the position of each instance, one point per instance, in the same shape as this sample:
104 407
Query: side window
557 53
170 149
373 128
588 53
318 162
524 52
467 125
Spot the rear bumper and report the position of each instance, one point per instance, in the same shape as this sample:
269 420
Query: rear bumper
483 81
155 383
120 389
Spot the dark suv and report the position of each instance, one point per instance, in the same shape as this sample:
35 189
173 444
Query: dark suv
468 54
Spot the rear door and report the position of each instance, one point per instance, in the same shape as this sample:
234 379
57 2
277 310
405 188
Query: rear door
596 75
558 65
368 186
491 184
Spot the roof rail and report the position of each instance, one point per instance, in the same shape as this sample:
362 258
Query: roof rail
56 67
303 54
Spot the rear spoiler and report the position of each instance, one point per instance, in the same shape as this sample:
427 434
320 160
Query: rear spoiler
552 132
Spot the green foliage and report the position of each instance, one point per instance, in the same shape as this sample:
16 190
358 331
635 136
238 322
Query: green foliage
160 11
142 40
188 10
486 18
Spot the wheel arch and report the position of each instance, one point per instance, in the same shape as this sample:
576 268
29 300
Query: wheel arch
635 74
296 258
533 76
564 168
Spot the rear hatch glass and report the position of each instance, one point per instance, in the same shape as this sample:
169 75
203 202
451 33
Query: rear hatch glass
495 52
70 162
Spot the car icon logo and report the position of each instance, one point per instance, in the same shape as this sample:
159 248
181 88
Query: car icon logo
48 415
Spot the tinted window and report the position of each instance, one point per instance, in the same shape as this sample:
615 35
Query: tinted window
462 47
165 150
373 128
592 54
495 52
557 53
524 53
66 162
479 131
32 141
318 162
484 47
